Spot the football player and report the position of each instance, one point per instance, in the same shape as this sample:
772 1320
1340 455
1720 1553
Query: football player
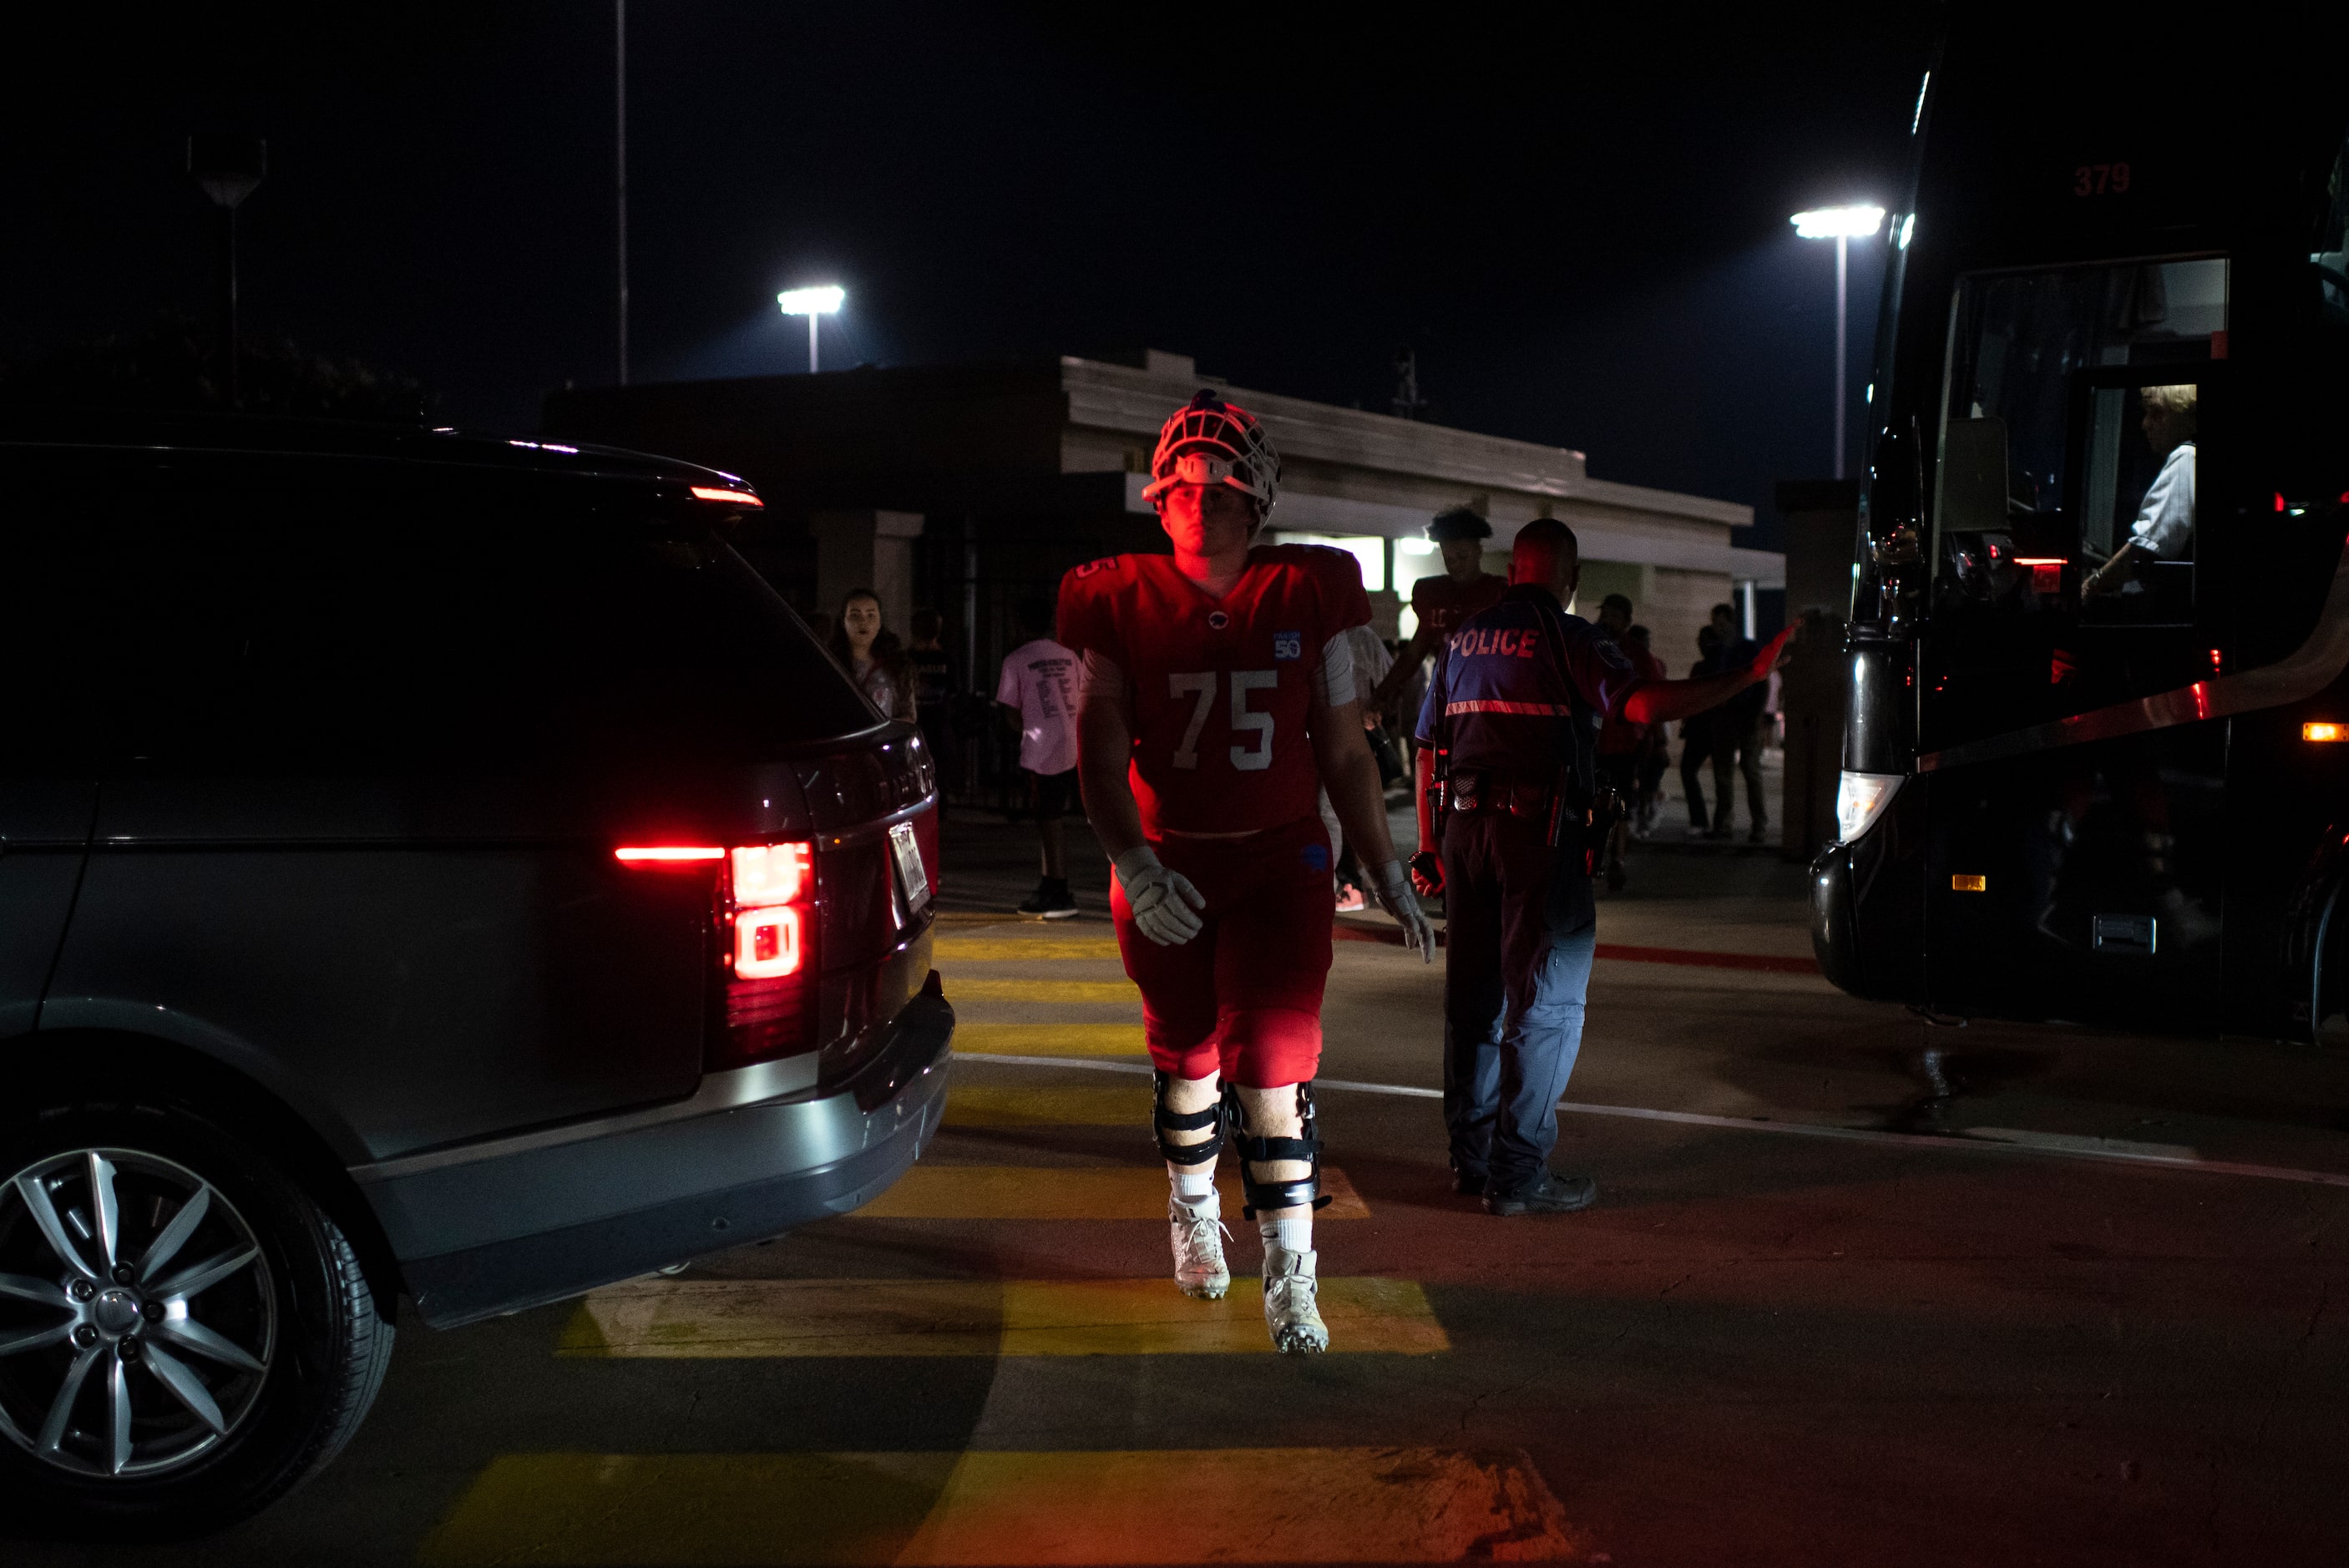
1217 696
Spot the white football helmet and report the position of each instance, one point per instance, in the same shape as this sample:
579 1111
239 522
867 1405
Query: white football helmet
1212 442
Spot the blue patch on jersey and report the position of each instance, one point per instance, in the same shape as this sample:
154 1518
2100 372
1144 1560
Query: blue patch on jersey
1315 857
1289 644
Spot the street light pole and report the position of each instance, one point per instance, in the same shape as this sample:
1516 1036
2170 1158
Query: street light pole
229 169
812 302
1843 331
1839 225
620 163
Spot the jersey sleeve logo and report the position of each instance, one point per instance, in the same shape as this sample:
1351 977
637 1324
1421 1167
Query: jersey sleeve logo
1090 567
1289 644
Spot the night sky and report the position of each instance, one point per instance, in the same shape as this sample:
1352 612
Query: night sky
1580 227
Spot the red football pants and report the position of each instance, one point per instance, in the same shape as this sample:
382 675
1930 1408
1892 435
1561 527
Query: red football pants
1244 996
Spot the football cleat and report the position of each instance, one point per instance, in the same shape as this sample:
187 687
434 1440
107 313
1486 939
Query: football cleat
1198 1236
1290 1310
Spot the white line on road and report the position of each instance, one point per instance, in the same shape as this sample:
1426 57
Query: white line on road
1991 1141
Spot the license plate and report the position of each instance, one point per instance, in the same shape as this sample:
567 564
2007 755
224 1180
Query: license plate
910 874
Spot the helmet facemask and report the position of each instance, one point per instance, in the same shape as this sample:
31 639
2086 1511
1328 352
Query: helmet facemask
1216 444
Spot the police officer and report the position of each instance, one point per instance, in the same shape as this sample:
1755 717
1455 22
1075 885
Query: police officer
1508 758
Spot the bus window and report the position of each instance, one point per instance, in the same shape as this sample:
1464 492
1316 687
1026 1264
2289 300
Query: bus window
2060 427
2137 505
2330 258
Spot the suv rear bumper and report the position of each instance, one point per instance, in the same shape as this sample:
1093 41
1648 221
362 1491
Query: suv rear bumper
481 1236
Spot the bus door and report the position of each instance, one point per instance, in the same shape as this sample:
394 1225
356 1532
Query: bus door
2075 856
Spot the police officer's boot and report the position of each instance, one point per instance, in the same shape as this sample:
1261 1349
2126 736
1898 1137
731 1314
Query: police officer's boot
1553 1194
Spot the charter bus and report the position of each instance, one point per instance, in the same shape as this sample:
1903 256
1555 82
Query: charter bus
2096 740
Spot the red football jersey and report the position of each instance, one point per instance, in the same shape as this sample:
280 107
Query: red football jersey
1221 685
1444 603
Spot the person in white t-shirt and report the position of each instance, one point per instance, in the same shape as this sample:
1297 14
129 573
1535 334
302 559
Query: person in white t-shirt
1040 683
2164 530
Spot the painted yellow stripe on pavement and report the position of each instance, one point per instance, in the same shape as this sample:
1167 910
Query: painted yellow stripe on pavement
1051 1039
1114 1509
1070 1105
699 1319
1020 950
1043 990
930 1191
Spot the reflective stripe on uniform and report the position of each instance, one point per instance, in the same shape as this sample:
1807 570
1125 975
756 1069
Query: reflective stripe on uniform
1494 705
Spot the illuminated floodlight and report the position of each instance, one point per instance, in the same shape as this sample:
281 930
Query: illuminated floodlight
832 296
814 303
1838 223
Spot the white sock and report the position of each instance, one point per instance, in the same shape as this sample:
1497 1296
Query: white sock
1194 1184
1292 1234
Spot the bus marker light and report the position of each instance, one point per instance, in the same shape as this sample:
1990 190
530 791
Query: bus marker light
1969 881
732 497
2325 730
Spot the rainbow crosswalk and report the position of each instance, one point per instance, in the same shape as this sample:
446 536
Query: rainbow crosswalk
1025 1172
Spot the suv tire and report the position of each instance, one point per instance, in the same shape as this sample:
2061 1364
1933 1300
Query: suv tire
242 1343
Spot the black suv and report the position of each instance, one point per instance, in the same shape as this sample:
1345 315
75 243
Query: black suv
428 866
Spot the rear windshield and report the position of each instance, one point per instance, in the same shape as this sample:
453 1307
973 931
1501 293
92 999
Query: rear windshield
232 611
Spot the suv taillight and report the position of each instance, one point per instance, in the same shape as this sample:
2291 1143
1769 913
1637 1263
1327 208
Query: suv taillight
768 976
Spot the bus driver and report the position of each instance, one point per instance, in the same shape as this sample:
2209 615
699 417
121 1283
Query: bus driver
2165 521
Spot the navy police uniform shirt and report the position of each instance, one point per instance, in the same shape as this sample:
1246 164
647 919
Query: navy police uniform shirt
1510 679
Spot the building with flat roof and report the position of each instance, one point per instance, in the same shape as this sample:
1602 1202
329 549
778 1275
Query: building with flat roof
972 489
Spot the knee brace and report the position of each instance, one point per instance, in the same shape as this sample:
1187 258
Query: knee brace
1262 1194
1163 1121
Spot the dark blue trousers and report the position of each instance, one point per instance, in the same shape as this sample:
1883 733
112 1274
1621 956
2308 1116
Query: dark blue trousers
1520 932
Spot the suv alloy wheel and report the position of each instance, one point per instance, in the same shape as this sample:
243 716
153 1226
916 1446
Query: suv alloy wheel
184 1335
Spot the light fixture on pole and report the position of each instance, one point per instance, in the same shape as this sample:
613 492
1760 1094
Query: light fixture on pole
1839 225
813 304
229 169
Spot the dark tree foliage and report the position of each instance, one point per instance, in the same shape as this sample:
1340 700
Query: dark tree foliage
172 365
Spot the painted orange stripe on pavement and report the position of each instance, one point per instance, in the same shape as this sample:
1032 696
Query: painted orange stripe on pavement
1066 1105
672 1319
1050 1039
1046 990
1022 949
931 1191
1113 1509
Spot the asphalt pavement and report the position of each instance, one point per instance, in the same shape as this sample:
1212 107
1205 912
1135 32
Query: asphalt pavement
1859 1289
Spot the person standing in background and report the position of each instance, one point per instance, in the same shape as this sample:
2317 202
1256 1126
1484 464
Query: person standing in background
1442 602
873 656
1040 684
1654 753
1736 734
1621 742
1696 736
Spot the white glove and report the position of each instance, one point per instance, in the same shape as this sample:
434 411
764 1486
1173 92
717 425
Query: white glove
1392 888
1158 897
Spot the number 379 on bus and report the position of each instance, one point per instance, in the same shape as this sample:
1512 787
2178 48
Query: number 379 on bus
2100 180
